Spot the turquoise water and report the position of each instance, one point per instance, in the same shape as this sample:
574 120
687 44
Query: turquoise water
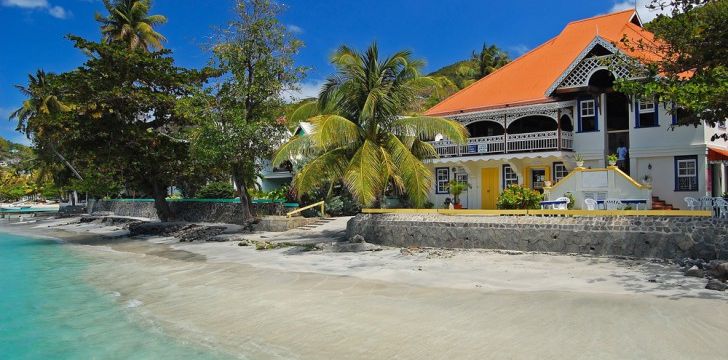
47 311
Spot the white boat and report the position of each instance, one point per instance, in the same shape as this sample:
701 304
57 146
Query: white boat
15 206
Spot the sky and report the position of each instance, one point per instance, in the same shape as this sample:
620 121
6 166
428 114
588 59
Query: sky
440 32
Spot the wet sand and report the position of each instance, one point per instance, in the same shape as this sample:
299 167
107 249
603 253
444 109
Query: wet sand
432 304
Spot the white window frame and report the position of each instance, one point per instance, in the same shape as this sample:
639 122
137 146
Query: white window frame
442 177
510 177
560 172
647 106
587 111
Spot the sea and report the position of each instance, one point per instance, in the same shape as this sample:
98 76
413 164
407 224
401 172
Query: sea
48 310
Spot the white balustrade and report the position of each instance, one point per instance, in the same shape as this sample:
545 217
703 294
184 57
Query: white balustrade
547 140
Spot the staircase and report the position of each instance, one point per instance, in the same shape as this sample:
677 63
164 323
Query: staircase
319 222
659 204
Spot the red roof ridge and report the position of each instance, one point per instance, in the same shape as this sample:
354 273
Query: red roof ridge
601 16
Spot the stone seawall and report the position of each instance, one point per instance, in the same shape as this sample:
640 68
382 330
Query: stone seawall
647 237
214 212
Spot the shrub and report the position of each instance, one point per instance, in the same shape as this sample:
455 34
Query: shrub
572 200
519 197
216 190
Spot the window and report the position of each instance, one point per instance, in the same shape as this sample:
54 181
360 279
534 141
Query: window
646 116
509 176
442 176
587 116
686 173
560 172
461 177
587 108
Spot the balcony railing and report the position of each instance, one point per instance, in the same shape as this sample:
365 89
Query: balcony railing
510 143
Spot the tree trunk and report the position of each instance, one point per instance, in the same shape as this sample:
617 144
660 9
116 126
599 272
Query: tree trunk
159 193
243 194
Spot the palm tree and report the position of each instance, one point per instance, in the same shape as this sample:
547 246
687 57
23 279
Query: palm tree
39 111
129 22
360 136
489 59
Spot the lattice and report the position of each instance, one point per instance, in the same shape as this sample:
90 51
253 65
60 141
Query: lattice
511 114
579 77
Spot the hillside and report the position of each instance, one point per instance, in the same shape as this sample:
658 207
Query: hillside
13 154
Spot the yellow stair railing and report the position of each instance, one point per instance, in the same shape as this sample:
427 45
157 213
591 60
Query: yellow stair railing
320 203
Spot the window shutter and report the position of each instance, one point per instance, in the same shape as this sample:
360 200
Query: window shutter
636 113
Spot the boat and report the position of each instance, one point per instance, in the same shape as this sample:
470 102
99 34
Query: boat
15 206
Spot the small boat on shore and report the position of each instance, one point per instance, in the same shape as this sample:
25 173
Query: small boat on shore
15 206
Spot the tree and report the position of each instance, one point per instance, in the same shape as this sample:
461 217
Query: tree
489 59
691 66
360 136
124 116
240 119
129 22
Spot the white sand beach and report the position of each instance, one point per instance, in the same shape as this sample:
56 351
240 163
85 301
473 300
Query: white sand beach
406 304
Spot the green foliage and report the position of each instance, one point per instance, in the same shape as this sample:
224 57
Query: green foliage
693 71
456 188
216 190
519 197
237 119
572 200
359 136
480 64
612 158
129 23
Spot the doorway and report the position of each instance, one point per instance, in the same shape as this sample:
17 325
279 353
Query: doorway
489 188
617 120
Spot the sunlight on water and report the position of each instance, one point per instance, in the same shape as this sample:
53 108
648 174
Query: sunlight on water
47 311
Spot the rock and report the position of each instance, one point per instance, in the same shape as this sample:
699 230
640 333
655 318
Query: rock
720 271
351 247
717 285
406 252
357 239
694 271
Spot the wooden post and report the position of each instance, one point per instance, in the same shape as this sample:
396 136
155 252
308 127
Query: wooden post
558 129
505 133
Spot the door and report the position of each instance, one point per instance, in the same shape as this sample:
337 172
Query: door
489 188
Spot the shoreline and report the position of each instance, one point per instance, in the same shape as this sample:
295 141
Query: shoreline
410 303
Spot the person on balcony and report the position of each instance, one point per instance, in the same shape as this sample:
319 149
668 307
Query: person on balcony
622 156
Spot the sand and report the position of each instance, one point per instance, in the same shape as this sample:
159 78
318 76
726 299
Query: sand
433 304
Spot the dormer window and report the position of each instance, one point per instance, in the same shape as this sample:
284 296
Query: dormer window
646 115
587 116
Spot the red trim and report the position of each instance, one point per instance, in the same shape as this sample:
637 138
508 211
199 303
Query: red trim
717 154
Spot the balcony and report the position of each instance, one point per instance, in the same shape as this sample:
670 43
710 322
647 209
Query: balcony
508 143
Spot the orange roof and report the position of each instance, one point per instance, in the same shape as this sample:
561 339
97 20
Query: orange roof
527 79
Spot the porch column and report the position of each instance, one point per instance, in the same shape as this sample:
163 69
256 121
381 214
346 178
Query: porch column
505 133
558 129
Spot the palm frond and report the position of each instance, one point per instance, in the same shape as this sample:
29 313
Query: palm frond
332 131
364 177
295 147
427 127
326 168
305 111
416 177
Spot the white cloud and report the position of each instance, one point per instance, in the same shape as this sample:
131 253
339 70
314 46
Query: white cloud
646 15
26 4
518 50
56 11
306 90
295 29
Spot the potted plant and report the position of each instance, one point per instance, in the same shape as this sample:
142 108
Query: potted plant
456 188
612 159
579 158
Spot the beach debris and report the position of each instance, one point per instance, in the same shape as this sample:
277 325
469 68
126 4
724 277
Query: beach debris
406 252
694 271
717 285
185 232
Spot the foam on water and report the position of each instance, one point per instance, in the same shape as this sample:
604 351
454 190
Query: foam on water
48 311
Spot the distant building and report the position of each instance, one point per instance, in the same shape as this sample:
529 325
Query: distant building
273 178
529 118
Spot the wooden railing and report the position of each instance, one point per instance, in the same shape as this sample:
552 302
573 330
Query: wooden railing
536 141
320 203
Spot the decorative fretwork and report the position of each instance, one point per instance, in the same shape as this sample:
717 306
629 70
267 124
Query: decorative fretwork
511 114
579 77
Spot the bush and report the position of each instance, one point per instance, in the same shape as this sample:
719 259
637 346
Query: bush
572 200
519 197
342 206
216 190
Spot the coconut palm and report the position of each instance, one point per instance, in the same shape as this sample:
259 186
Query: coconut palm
39 112
360 136
129 21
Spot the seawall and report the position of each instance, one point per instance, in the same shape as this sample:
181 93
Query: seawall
191 211
637 236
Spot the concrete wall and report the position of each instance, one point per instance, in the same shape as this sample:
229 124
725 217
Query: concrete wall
651 237
580 183
230 213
